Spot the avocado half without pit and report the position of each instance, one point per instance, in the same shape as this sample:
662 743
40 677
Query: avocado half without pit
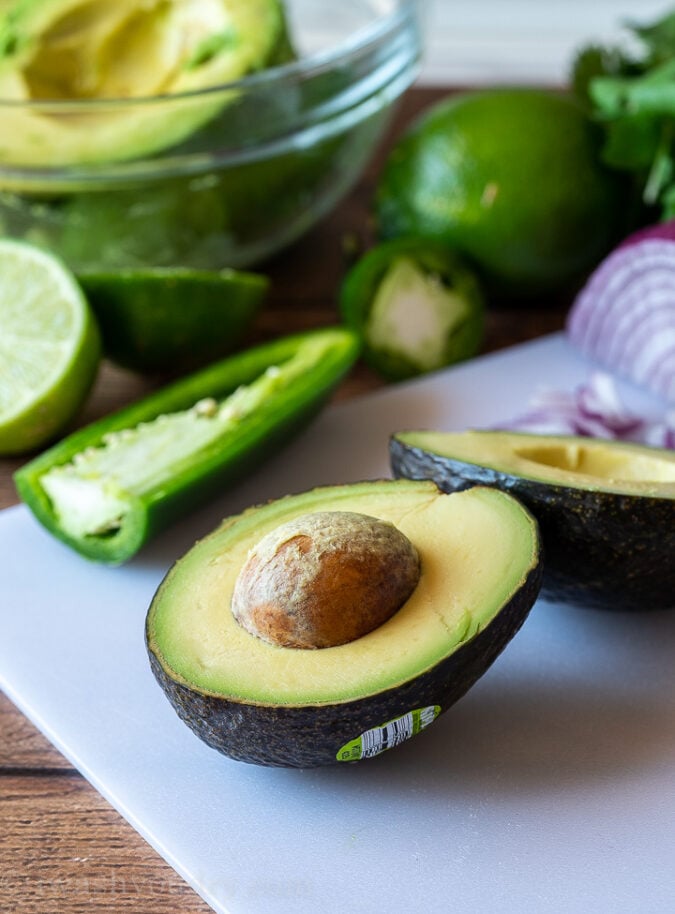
328 626
606 508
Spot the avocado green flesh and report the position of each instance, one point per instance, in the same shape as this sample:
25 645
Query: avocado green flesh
575 462
92 493
112 53
476 550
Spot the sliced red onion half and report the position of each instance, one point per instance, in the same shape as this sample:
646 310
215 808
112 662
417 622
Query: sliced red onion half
595 410
624 317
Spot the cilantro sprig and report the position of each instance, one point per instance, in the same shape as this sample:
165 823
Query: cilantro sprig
631 93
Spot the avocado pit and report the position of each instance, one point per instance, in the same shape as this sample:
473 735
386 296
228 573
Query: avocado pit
324 579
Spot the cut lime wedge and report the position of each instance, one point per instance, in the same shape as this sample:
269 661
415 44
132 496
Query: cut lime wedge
49 347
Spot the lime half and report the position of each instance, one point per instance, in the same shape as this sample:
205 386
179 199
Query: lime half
49 347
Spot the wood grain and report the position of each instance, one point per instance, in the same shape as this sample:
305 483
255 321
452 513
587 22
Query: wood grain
63 849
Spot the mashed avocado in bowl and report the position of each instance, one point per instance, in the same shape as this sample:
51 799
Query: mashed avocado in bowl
203 133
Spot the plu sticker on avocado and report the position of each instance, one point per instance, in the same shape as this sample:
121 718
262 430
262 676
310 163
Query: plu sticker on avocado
379 739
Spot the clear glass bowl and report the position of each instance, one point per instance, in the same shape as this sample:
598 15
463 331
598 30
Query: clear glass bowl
276 151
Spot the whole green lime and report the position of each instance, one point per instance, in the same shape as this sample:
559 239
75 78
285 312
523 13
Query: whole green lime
511 178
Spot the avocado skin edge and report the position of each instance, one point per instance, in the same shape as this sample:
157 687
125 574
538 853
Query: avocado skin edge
311 735
603 550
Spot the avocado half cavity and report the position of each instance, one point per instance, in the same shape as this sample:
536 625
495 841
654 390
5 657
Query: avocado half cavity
606 508
257 701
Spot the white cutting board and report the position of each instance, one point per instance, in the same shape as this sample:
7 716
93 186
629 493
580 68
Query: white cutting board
549 788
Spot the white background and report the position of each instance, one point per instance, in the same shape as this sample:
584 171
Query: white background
527 41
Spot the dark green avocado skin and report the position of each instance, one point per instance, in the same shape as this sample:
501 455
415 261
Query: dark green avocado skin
311 736
602 550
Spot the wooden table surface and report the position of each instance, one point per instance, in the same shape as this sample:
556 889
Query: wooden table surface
63 849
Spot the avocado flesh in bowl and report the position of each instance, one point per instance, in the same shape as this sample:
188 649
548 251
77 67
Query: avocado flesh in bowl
257 702
606 508
136 68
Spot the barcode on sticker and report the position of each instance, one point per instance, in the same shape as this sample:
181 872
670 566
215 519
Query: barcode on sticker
379 739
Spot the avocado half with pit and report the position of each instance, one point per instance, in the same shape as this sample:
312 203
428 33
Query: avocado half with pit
606 508
466 568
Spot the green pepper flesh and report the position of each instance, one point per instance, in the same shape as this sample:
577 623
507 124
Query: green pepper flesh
108 488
